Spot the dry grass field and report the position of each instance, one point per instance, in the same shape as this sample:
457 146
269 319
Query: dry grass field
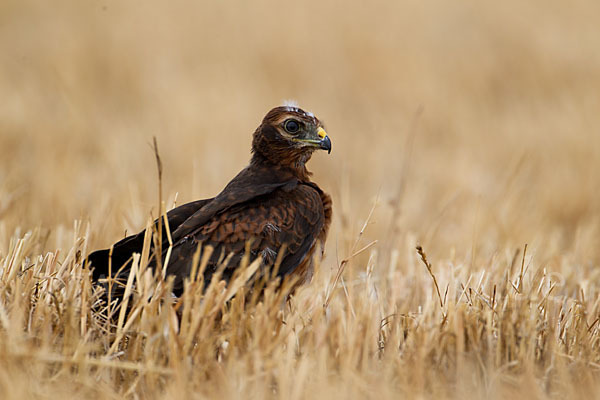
469 128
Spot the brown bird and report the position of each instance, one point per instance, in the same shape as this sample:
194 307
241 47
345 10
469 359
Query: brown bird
271 206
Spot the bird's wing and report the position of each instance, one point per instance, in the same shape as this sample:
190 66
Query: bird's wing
252 182
123 249
283 219
248 184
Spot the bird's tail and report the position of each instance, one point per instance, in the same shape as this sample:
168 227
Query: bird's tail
98 260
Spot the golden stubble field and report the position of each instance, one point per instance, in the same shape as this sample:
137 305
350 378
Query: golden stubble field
469 128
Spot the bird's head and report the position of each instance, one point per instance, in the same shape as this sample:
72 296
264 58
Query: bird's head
288 136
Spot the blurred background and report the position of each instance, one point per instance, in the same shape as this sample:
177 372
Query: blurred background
471 127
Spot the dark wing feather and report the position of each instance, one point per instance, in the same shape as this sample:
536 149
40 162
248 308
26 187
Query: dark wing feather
252 182
293 217
123 249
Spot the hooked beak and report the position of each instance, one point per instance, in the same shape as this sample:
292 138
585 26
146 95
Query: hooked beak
325 142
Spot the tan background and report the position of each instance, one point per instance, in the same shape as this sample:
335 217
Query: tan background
506 149
472 126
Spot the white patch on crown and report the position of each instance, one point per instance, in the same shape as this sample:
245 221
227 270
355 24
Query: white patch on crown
290 103
292 106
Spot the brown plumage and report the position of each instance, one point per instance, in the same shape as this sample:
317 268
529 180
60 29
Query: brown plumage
270 206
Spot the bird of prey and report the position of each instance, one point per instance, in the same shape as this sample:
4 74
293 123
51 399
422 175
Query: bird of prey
271 206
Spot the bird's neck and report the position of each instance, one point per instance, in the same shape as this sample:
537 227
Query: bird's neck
295 167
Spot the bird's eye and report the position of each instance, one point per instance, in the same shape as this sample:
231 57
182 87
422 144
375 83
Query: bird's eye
291 126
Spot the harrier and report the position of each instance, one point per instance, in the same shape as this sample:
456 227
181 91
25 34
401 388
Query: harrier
270 207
